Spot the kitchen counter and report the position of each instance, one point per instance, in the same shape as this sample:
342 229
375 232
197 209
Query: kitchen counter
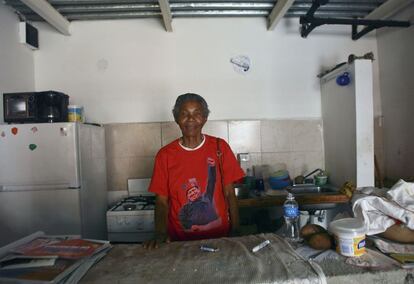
278 198
184 262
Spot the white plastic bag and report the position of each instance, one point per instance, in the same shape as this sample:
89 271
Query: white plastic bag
379 211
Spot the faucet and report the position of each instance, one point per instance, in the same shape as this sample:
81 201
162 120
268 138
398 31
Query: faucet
302 179
313 172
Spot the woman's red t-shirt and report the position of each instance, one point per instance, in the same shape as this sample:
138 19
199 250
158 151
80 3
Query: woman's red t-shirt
191 180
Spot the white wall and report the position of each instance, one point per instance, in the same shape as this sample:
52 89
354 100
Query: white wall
396 68
16 60
132 70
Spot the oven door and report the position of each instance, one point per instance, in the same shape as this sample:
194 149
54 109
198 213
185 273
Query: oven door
19 107
130 226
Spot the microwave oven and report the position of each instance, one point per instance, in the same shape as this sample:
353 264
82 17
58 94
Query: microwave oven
33 107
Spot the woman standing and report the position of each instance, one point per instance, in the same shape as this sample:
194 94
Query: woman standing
193 180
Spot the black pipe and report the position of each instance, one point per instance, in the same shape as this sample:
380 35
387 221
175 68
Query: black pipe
309 22
364 22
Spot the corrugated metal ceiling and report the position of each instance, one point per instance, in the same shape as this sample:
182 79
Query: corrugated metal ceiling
126 9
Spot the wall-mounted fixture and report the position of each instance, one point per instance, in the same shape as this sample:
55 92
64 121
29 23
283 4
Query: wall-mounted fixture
28 35
243 157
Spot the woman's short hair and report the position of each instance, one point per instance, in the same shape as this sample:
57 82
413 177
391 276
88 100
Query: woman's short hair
190 97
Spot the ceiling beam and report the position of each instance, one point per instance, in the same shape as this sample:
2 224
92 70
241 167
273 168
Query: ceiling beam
277 13
50 14
166 14
388 9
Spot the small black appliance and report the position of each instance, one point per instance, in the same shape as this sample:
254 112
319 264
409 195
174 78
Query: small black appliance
35 107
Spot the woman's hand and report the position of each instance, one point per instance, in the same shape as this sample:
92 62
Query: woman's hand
235 233
161 217
156 242
231 199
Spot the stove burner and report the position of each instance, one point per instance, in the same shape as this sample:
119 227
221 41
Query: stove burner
149 207
129 207
135 203
140 198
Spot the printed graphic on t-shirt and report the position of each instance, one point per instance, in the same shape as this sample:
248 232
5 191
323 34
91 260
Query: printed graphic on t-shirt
199 213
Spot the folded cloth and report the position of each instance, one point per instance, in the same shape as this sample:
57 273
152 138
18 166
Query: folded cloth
380 211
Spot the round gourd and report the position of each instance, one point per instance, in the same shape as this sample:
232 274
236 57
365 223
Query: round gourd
310 229
320 241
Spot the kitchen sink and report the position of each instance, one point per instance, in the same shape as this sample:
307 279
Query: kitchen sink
311 188
300 189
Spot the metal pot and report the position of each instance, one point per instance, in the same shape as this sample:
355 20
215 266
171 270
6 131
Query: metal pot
242 191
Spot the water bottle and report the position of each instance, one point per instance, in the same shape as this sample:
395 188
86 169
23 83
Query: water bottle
291 214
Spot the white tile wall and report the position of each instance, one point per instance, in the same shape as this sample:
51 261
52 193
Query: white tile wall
244 136
217 128
117 175
276 135
117 140
295 145
276 161
144 139
306 135
169 132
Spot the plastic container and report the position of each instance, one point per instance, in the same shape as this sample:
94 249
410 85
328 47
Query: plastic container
321 180
349 235
250 182
241 190
75 113
260 184
279 179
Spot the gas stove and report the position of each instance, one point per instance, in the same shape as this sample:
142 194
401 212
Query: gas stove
132 219
133 203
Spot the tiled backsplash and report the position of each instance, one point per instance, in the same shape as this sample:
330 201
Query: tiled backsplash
295 145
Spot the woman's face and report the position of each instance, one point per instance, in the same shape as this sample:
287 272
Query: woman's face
191 119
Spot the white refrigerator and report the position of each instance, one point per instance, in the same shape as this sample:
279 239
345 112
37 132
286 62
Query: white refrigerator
348 124
52 179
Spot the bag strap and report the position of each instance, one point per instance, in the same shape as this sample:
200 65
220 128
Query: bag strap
220 162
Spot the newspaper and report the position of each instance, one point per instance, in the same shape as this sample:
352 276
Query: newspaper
22 261
73 257
387 246
71 249
77 275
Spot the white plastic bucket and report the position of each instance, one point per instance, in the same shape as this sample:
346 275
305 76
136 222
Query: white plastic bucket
349 235
75 113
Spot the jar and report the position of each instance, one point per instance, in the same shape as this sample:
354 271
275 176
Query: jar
75 113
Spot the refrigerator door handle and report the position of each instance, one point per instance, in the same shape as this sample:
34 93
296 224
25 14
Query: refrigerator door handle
61 186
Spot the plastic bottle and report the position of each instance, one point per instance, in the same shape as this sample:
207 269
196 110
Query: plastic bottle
250 180
291 214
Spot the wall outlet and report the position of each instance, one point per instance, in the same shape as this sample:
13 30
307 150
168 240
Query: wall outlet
243 157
